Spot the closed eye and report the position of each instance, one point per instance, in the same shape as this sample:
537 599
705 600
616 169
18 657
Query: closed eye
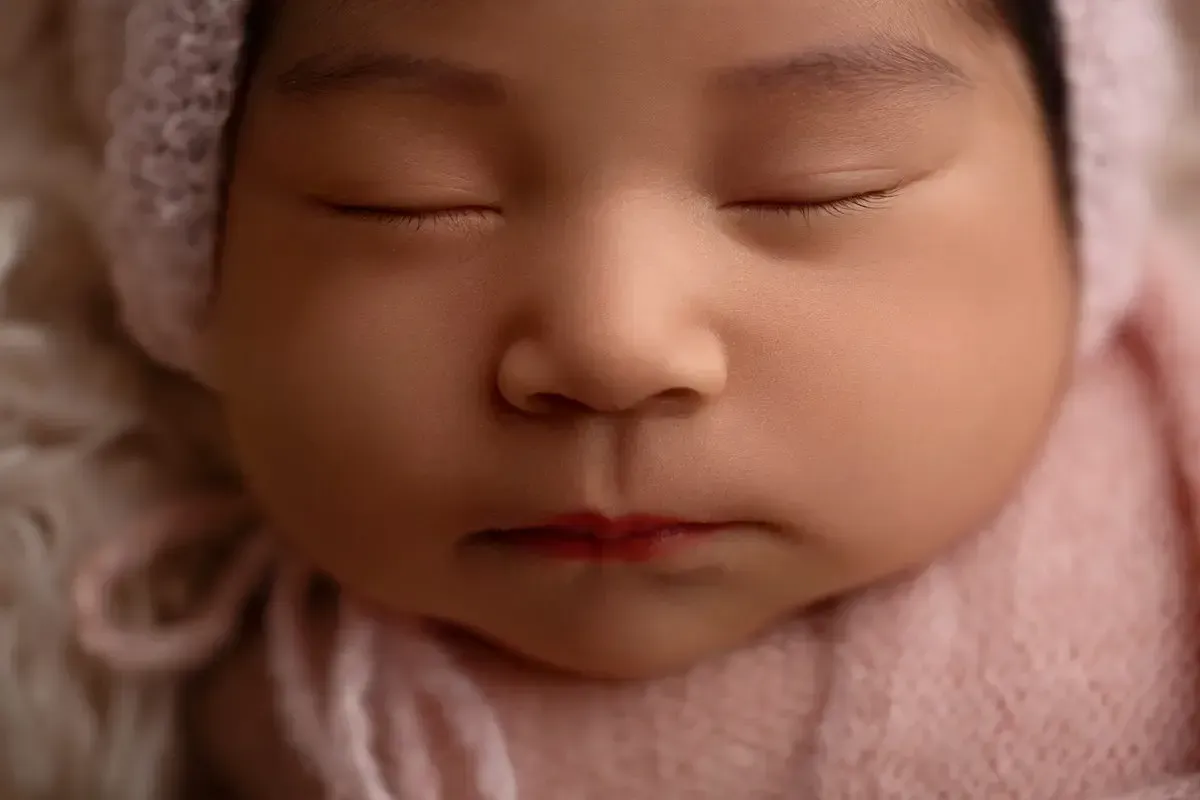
808 209
419 217
472 217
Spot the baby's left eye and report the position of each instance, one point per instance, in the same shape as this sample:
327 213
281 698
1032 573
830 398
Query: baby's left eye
807 209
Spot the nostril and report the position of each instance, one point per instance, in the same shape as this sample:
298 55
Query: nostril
680 395
558 404
669 401
677 401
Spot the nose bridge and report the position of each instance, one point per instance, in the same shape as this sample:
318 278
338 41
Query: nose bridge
621 307
617 291
620 311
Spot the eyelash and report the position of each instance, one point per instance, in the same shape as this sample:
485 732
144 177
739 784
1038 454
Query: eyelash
807 210
417 218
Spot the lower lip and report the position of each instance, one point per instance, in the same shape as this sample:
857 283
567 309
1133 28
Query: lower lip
633 549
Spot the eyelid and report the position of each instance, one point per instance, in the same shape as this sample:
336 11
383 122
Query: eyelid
397 210
415 216
832 205
819 185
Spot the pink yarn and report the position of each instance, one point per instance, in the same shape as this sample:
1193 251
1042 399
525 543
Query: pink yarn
339 742
194 643
342 741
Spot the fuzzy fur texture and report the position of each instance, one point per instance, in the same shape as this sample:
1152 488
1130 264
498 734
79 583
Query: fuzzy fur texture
89 431
89 434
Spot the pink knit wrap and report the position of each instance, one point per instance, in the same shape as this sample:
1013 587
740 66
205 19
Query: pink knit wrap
1054 655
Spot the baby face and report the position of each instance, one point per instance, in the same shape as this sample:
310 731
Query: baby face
617 332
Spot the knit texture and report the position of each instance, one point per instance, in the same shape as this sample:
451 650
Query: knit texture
1052 656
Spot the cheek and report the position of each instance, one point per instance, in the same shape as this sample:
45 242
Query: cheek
352 396
916 389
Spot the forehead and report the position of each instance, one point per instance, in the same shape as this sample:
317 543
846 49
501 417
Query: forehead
904 13
336 44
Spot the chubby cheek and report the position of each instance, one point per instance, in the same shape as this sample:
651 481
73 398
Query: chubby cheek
352 396
919 386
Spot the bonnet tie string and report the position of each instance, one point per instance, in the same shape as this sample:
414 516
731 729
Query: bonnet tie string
338 737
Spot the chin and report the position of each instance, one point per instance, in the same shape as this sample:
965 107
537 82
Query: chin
622 666
633 653
619 625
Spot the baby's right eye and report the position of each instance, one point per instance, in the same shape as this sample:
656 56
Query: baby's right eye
455 218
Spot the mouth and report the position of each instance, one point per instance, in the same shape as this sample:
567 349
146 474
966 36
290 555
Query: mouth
592 537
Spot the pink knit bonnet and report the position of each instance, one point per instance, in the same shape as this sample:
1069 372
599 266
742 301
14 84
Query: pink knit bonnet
177 88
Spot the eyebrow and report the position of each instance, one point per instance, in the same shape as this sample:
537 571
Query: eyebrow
335 73
876 66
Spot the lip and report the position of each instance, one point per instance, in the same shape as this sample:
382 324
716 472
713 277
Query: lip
634 538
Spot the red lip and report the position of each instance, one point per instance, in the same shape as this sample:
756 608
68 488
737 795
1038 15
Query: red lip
601 527
593 537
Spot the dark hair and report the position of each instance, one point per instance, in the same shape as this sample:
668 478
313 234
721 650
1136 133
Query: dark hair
1035 24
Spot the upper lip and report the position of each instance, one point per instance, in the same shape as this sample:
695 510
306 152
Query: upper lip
602 527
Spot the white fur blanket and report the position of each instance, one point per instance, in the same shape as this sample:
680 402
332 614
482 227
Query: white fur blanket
82 439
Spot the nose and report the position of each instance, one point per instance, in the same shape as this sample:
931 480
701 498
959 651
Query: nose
615 335
612 368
